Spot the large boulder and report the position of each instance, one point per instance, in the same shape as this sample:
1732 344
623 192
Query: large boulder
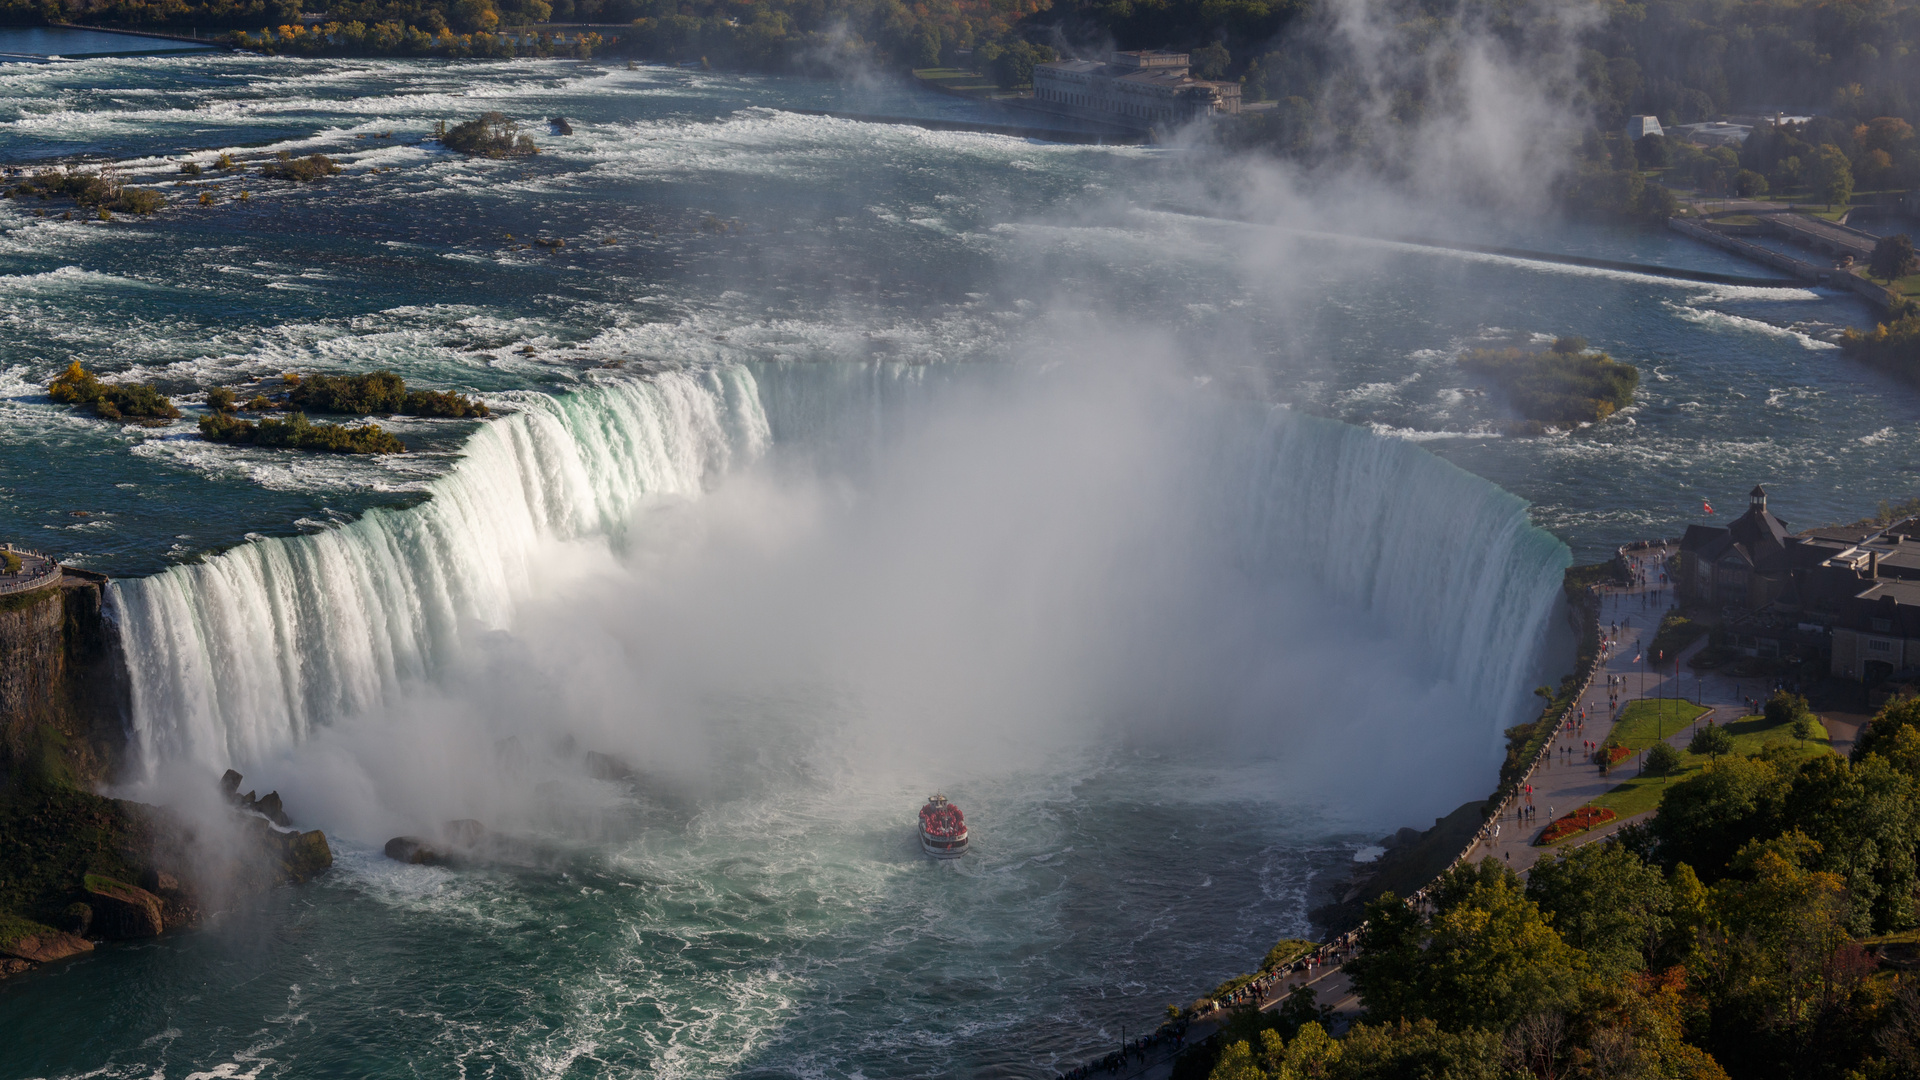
121 910
24 940
307 855
412 849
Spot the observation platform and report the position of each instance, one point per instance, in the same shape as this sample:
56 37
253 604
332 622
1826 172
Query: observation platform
36 571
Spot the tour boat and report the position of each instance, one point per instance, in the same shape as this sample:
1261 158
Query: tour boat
943 830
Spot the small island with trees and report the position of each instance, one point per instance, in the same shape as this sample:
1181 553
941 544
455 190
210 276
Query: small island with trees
491 135
139 403
380 393
377 393
1563 384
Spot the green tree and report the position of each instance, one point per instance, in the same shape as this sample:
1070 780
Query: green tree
1606 902
1887 723
1866 825
1749 184
1387 973
1706 818
1711 740
1893 257
1770 965
1662 760
1832 176
1422 1048
1209 61
1489 956
1014 66
1785 708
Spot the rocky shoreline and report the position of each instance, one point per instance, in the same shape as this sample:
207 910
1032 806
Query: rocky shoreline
77 868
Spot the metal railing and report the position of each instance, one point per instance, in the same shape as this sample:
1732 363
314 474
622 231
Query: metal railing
45 573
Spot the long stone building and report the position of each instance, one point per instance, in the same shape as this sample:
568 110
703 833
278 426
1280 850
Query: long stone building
1853 591
1140 89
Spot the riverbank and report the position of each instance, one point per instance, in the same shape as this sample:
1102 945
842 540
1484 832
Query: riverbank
78 868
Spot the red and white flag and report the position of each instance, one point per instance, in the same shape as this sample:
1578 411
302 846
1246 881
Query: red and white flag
1707 506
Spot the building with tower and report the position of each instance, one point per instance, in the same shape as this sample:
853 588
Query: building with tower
1854 588
1746 563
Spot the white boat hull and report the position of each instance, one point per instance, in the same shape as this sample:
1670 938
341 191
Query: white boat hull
944 847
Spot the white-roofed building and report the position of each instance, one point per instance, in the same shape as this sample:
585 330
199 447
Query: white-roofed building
1639 127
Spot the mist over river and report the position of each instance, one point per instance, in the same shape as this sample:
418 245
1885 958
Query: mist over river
835 463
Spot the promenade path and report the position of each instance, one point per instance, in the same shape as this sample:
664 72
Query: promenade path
1568 778
1565 781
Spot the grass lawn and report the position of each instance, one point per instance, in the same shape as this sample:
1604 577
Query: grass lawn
1750 735
1906 286
1642 722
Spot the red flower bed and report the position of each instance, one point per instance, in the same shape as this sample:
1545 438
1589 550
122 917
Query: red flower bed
1579 821
1618 754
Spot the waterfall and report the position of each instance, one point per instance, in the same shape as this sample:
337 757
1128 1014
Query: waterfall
1421 544
247 650
1380 524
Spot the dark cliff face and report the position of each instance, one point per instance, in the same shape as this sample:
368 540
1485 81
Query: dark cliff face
63 689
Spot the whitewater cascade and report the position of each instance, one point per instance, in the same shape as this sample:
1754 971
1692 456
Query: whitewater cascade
1416 542
247 651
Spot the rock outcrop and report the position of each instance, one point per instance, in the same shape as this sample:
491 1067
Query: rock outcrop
122 911
36 944
412 849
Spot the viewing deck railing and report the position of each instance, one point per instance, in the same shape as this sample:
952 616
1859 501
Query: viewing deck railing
38 572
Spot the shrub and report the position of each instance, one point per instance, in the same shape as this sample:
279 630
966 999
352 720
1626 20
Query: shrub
220 399
190 168
311 167
138 201
111 401
1662 760
297 432
380 392
492 135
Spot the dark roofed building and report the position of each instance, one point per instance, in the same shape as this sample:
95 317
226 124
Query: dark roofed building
1747 563
1877 633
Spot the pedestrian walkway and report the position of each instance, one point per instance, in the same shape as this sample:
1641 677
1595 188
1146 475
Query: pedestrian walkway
1568 777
